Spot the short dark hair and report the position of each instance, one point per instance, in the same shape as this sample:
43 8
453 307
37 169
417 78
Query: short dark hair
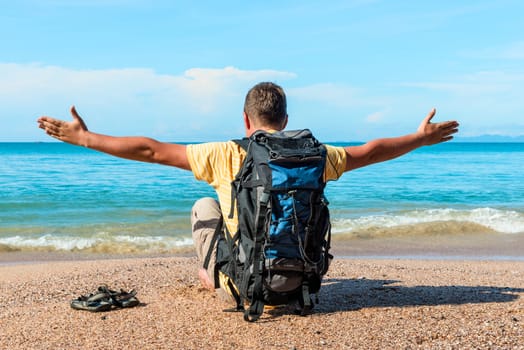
266 103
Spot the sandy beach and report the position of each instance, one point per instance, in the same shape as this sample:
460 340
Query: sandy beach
364 304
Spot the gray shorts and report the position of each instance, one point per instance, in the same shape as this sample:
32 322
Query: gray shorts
205 216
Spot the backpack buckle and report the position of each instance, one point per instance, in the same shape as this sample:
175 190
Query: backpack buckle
264 197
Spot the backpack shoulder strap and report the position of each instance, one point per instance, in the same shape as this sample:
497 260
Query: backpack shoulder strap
244 143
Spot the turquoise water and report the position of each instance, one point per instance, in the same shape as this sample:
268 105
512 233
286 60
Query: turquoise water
55 196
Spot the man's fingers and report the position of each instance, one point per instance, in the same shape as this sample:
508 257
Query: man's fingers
50 130
52 127
43 119
453 130
77 117
49 123
450 126
74 113
66 131
447 130
430 115
52 133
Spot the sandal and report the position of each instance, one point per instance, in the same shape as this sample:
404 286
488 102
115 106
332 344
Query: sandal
92 302
104 299
120 299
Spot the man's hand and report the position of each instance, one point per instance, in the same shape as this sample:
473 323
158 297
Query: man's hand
71 132
381 150
432 133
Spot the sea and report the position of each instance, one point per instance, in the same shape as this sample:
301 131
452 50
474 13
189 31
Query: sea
56 197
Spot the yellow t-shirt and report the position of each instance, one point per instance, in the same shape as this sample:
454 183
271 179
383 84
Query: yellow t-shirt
217 163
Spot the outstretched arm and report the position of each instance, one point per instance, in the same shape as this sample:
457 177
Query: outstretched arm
138 148
381 150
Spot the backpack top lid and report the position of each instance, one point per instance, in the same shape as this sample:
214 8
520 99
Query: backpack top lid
292 159
287 141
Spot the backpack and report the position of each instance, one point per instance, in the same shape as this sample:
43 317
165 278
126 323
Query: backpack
280 251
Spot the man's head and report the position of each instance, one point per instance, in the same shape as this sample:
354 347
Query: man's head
265 107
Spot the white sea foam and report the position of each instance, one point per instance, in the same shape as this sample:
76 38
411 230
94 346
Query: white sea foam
503 221
416 222
96 243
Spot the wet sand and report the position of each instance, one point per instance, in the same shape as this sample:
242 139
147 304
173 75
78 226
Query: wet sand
459 301
469 246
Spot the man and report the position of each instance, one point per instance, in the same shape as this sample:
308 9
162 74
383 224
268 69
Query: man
217 163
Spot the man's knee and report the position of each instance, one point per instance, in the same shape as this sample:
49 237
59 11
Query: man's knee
205 210
205 217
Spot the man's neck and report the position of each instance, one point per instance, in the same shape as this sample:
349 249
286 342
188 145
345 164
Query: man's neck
267 129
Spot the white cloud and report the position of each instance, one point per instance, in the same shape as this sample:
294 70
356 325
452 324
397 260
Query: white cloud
206 89
201 87
130 99
206 103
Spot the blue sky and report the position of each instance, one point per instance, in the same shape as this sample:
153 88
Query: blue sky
179 70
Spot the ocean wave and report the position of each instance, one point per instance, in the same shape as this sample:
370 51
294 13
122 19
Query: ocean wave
132 239
436 221
100 243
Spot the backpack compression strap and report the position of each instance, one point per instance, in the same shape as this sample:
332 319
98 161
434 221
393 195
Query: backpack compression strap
256 307
214 239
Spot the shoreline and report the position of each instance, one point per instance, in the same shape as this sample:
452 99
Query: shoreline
476 247
479 246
